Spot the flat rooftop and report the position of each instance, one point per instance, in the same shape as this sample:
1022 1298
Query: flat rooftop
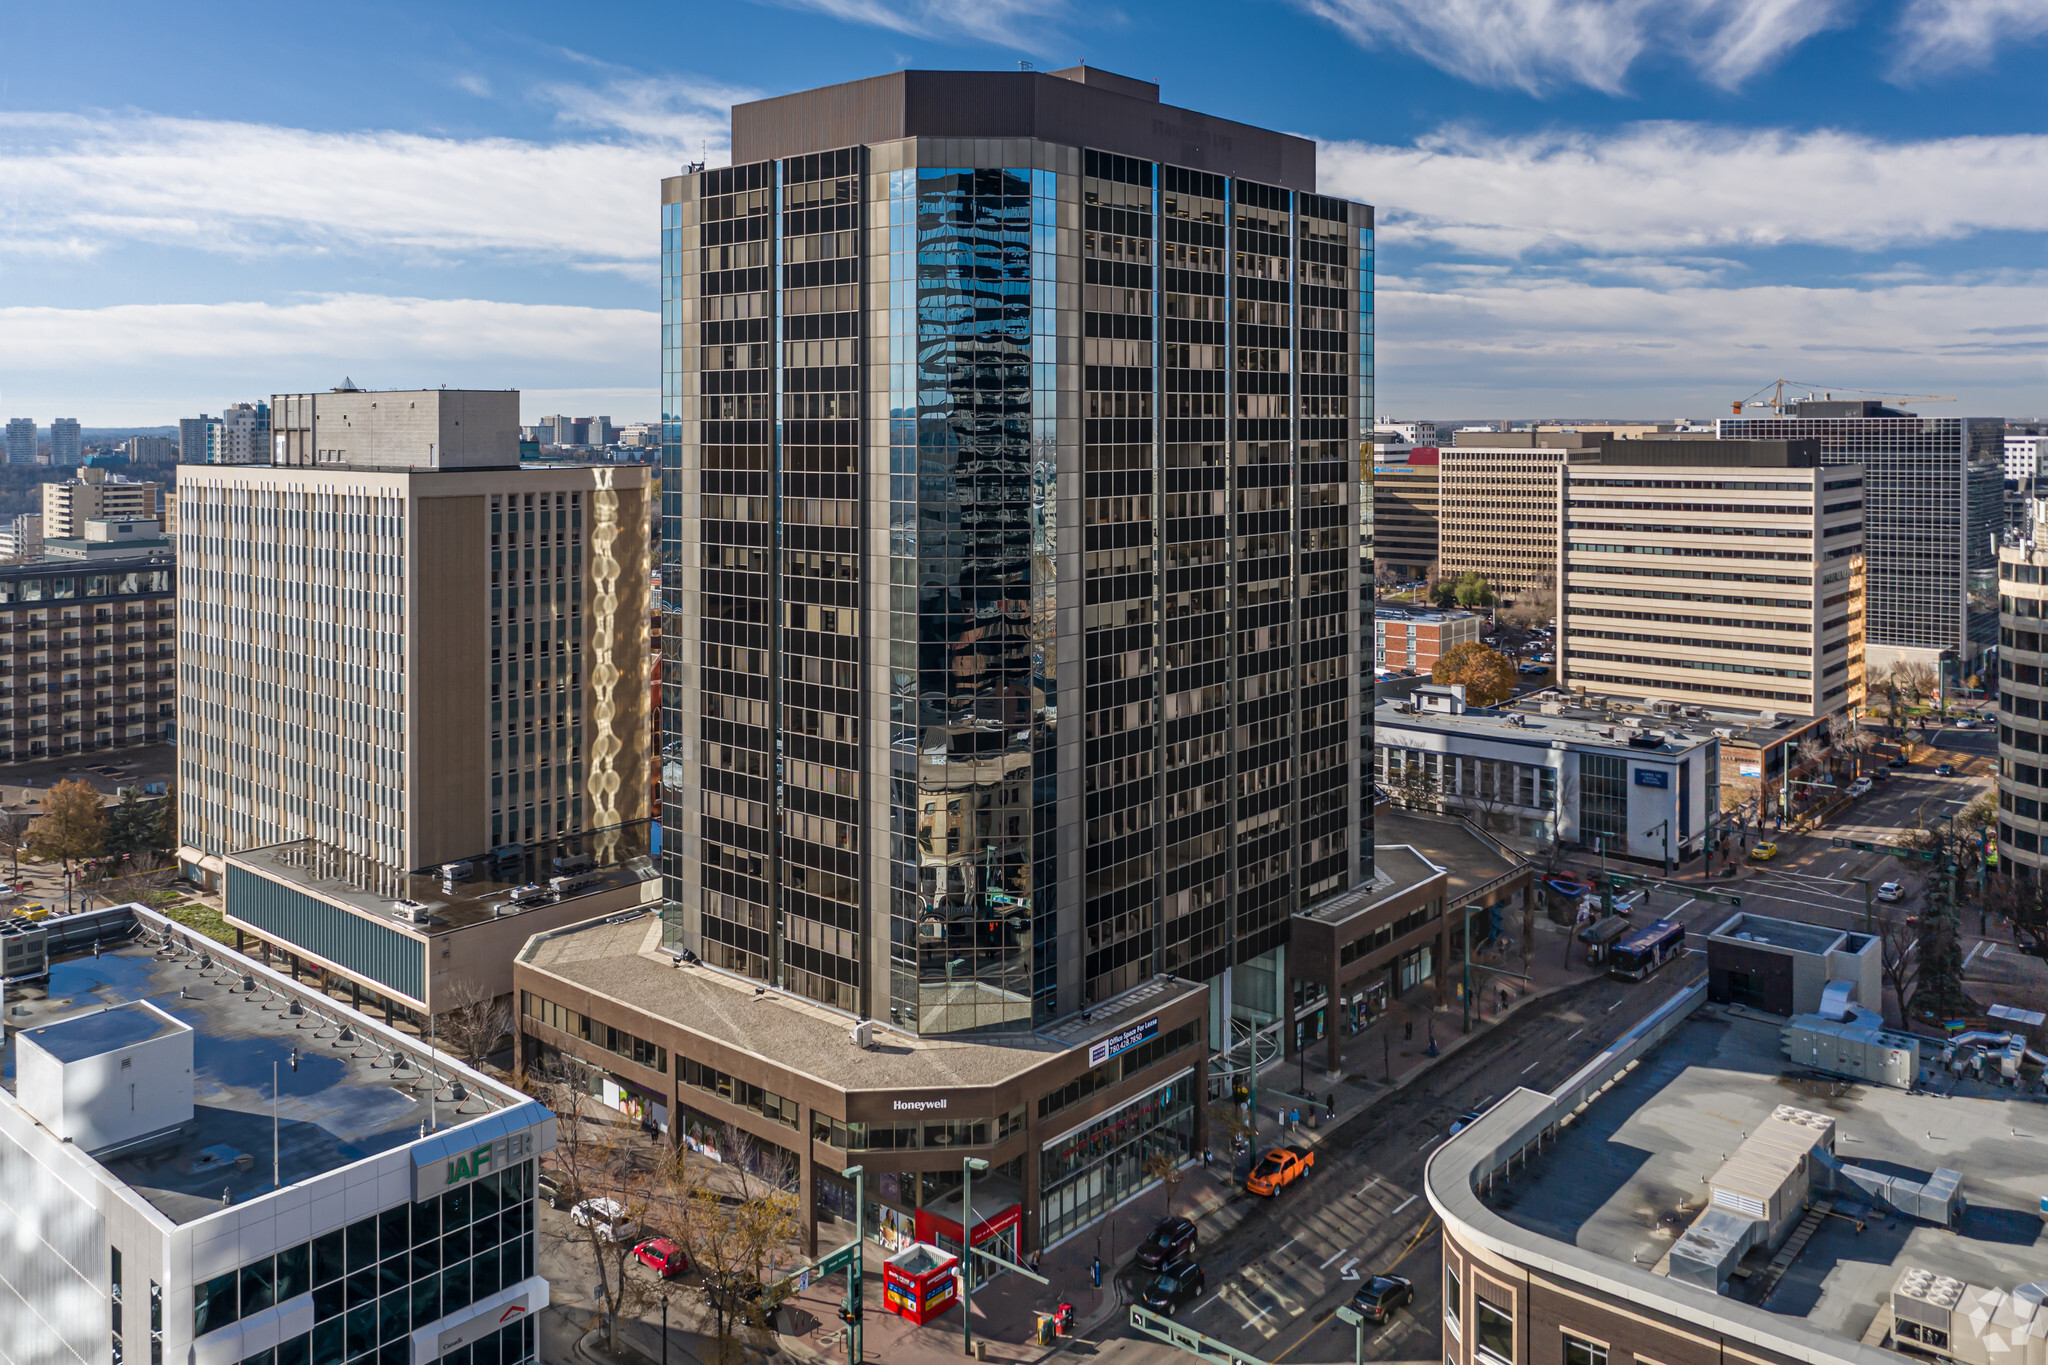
80 1036
1410 848
374 889
1625 1178
1529 726
1699 720
343 1102
1782 933
621 957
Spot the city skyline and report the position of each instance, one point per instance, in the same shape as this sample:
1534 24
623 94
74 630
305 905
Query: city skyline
1838 197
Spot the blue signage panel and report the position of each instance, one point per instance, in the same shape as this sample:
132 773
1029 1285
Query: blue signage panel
1652 777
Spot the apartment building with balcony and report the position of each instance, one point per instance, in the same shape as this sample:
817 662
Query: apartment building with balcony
88 654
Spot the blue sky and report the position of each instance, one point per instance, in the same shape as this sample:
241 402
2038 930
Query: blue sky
1587 207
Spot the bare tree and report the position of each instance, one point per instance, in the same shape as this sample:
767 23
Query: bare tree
1536 607
476 1021
1411 785
1899 954
1168 1169
732 1223
612 1185
14 829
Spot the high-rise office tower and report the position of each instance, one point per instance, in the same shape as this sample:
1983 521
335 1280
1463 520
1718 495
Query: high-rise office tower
67 441
1012 547
192 439
399 642
1933 500
21 440
1497 506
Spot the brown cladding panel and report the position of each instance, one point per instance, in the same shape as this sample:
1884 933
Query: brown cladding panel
1016 104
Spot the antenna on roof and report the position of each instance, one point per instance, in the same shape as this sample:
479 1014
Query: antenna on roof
1025 66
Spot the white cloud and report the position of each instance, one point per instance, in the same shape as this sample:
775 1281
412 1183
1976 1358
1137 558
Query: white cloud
1023 24
1544 45
1939 35
80 182
1655 188
149 362
1521 344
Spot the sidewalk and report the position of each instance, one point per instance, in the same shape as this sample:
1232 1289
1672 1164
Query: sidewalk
1378 1060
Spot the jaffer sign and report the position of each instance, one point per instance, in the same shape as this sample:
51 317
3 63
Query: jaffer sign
460 1167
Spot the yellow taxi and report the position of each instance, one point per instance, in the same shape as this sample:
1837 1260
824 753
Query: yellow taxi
1763 853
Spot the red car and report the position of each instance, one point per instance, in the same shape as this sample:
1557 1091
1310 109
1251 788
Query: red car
662 1256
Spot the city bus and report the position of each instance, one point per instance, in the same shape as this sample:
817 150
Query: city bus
1639 954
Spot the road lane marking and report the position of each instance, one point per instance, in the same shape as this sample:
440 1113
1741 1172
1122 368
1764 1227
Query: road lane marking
1333 1256
1365 1187
1404 1204
1286 1244
1574 1033
1613 1007
1688 901
1973 953
1532 1066
1431 1143
1989 951
1253 1321
1347 1271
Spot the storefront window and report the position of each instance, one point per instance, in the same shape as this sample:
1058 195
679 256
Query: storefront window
1089 1171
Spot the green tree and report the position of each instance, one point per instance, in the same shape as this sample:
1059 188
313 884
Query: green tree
134 826
1473 591
73 825
1488 676
1445 593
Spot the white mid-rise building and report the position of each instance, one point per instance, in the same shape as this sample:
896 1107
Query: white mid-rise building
2023 451
200 1158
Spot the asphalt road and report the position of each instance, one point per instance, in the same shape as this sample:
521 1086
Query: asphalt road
1277 1279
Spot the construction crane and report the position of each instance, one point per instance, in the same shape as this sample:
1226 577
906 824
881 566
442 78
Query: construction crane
1776 401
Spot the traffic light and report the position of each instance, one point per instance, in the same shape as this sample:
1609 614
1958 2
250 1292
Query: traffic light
849 1315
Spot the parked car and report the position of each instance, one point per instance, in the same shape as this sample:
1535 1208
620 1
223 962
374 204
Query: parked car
1763 853
1170 1241
1882 775
1278 1169
608 1216
1859 787
551 1189
1890 891
1465 1120
1944 769
1898 762
1379 1296
663 1257
1178 1283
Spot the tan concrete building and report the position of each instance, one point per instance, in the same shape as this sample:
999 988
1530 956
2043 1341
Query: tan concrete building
1699 571
96 496
410 648
1404 511
1497 505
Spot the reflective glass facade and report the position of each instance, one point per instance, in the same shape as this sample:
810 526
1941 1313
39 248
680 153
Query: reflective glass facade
958 431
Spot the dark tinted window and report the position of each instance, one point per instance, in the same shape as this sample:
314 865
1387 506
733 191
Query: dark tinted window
292 1272
328 1261
213 1303
257 1281
362 1244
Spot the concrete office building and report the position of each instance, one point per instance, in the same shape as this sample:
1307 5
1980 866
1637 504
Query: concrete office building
67 442
1415 638
1543 1265
1065 392
240 435
21 440
2023 697
1933 500
1700 571
403 650
2023 450
1407 433
97 495
1497 506
87 653
1648 789
1405 489
144 450
163 1204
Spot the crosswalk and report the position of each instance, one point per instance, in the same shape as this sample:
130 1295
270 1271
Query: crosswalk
1339 1243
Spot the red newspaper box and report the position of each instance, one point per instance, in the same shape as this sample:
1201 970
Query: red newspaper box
919 1282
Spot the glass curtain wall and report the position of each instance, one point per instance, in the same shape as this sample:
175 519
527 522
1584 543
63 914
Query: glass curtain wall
972 528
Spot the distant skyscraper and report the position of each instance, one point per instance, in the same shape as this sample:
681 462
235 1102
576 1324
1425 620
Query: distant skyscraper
67 442
1933 499
192 439
242 435
21 440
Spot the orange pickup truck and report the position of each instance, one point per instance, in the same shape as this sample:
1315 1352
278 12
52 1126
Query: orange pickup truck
1278 1169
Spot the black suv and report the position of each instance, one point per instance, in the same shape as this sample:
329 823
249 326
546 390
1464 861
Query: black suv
1379 1296
1172 1239
1178 1282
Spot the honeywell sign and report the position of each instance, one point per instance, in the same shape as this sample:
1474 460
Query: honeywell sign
916 1106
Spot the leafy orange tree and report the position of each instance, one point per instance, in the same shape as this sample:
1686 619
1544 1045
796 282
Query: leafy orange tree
1488 676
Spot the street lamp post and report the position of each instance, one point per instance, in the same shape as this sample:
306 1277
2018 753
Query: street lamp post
860 1245
968 1166
1664 825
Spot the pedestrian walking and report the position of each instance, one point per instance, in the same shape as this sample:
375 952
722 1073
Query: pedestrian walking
1330 1103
